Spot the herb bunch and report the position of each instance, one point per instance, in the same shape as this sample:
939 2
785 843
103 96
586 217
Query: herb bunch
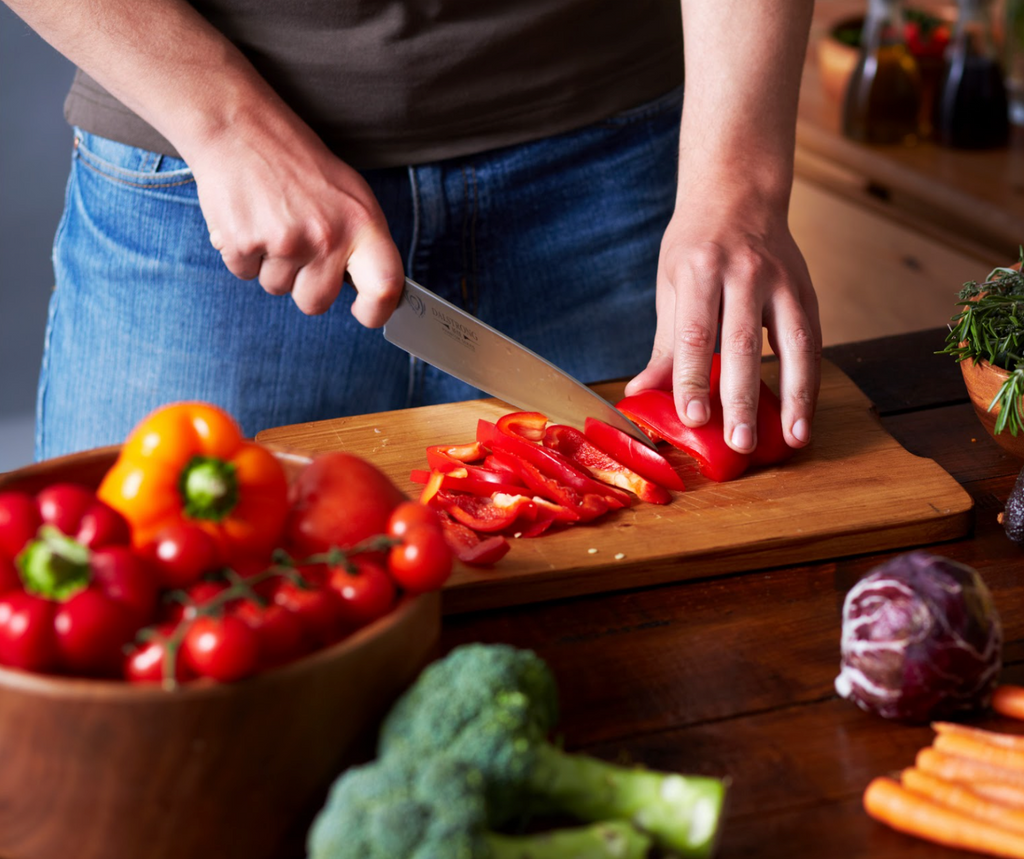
990 327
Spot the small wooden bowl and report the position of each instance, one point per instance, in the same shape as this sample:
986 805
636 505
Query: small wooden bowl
107 770
983 381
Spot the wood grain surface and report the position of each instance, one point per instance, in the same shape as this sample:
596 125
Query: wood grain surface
854 489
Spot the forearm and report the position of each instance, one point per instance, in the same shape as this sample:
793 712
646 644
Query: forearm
743 65
162 60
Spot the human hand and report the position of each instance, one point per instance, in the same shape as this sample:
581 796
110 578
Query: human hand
715 270
287 211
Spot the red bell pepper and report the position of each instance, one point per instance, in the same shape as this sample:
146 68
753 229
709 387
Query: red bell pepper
79 593
467 482
469 547
654 411
573 445
642 459
582 506
511 435
485 514
771 443
468 460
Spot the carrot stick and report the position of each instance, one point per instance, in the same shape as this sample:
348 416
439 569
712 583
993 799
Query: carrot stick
1000 791
961 797
887 801
979 750
1008 700
996 738
956 768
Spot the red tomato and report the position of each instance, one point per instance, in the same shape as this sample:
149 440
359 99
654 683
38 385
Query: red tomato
181 553
26 631
366 594
19 521
338 500
410 514
120 574
422 561
278 630
222 648
318 610
147 661
90 631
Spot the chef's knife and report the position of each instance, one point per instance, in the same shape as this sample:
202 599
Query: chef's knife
449 338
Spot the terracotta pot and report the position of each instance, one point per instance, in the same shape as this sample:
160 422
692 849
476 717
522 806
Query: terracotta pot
108 770
836 59
983 381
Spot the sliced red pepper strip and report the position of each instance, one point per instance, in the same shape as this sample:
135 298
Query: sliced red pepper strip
432 485
460 458
485 514
528 425
642 459
583 506
655 412
549 462
469 547
573 445
467 482
771 443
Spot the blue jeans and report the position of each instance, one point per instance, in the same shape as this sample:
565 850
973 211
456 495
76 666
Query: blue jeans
555 243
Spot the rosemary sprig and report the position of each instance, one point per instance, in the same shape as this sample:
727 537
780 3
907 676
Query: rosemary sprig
990 327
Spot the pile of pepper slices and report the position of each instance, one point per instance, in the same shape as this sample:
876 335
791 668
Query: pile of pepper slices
522 476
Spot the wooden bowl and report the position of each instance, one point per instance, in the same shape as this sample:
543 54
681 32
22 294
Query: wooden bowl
983 381
107 770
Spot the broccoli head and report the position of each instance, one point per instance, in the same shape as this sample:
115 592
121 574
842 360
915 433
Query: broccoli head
395 809
493 707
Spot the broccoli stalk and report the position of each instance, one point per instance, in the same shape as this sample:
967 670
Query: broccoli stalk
435 809
493 706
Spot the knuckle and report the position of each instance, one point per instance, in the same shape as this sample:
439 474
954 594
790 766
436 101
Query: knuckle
743 342
802 341
696 337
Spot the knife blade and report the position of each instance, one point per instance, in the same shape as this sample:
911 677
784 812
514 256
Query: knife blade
447 337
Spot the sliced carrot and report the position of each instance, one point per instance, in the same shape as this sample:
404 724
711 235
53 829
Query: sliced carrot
1008 700
961 797
980 750
888 802
996 738
956 768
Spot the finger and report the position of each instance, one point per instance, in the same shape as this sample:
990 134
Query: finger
376 271
741 373
316 286
277 275
795 335
697 310
242 265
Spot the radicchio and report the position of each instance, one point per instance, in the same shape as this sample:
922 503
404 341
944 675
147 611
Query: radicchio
921 640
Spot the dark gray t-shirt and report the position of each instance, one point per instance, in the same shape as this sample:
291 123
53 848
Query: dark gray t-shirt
393 82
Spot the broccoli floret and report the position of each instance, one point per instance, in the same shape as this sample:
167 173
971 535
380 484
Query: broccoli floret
493 707
396 809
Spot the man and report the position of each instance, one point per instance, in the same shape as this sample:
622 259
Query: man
521 155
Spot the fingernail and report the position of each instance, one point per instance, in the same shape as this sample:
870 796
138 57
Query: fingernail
801 430
696 412
742 437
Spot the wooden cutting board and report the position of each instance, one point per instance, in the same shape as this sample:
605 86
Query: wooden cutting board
854 489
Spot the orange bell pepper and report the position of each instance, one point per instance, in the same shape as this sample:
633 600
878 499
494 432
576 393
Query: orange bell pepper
188 462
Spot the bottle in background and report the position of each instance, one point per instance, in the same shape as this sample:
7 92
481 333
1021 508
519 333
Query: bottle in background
971 110
883 97
1013 58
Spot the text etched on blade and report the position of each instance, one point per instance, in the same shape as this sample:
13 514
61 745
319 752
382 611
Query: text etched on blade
455 329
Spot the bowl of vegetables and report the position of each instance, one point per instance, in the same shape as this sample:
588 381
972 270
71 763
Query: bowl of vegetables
181 682
987 339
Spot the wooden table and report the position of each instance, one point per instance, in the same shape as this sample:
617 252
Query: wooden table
732 675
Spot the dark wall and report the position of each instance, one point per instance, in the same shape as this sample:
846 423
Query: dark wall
34 155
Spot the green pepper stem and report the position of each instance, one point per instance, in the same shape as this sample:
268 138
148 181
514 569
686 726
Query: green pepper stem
209 488
54 565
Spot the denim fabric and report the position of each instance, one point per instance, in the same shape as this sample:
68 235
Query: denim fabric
554 243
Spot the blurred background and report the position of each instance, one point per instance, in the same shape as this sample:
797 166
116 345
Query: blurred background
35 147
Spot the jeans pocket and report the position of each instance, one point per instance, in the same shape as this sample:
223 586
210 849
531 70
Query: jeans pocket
130 165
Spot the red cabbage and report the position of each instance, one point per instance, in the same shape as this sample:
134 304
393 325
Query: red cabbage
921 640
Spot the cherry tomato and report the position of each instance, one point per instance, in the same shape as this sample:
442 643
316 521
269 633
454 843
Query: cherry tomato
339 499
117 571
19 521
181 553
223 648
146 662
366 594
26 631
279 631
422 561
318 610
410 514
90 630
